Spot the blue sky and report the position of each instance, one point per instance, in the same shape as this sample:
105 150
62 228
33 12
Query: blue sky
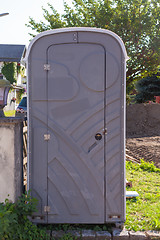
12 27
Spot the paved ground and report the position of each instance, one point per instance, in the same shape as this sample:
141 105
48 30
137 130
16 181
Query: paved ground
115 234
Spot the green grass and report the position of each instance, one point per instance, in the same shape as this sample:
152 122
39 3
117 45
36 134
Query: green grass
143 212
10 113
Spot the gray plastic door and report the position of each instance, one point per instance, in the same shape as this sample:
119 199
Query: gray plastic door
76 123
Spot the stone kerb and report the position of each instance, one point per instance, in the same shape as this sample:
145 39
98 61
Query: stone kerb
116 234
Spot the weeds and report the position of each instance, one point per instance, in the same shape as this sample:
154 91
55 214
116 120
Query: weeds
14 222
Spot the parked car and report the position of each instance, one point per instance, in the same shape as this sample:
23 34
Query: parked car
22 107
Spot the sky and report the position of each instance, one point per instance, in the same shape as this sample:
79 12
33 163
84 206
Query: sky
12 26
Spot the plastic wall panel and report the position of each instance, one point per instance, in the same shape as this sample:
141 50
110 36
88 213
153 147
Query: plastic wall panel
76 178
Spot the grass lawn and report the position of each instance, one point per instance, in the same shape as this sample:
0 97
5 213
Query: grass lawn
143 213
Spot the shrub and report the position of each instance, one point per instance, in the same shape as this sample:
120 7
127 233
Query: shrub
14 222
147 88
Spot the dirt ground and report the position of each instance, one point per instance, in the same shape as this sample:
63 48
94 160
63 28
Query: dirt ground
143 132
144 147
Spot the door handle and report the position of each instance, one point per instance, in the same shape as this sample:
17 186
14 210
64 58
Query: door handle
98 136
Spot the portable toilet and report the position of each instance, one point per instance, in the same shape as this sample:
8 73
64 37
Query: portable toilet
76 120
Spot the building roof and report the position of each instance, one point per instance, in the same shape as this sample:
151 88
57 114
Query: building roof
11 53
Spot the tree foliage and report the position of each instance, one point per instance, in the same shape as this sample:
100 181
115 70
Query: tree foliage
137 22
148 88
9 71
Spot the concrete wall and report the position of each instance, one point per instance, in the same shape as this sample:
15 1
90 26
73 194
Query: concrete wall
143 120
10 158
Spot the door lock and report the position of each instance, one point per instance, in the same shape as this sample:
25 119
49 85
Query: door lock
104 131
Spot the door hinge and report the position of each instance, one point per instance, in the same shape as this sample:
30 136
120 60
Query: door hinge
47 208
47 67
75 36
47 137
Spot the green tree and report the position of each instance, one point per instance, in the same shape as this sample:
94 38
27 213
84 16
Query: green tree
148 88
137 22
9 70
